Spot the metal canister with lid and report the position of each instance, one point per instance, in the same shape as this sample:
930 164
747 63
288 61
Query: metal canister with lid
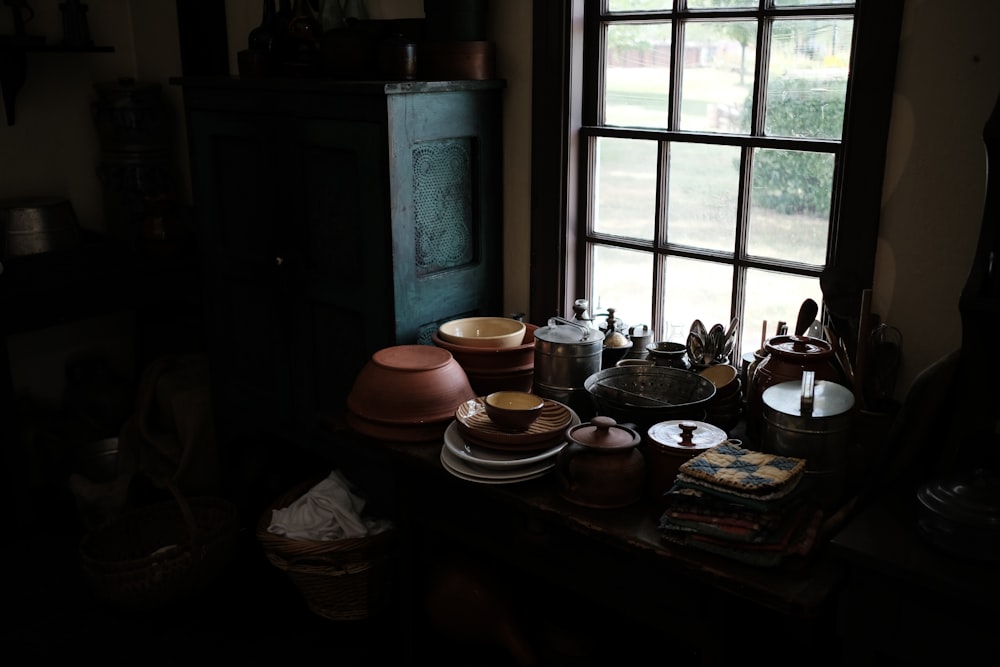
812 420
566 354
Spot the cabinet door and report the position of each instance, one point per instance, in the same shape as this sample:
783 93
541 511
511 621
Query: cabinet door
244 244
340 265
447 242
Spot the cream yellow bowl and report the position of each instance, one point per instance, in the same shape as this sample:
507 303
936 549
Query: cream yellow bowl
513 410
495 332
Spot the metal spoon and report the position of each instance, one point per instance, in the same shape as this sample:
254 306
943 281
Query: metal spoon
716 342
699 328
695 347
731 331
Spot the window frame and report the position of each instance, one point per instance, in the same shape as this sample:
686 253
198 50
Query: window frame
558 261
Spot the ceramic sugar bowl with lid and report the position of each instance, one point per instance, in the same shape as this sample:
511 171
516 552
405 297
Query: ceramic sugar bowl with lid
601 465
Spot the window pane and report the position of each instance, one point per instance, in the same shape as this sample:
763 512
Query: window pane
699 290
803 3
639 5
624 187
721 4
637 76
718 75
773 297
703 184
790 205
623 280
807 83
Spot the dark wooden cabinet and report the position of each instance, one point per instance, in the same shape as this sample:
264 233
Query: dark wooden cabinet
335 219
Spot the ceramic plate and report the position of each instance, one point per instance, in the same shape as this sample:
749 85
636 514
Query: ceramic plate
475 425
475 473
485 457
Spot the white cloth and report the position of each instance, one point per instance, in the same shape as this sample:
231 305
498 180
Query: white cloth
330 510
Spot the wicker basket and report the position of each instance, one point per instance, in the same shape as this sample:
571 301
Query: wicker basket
160 553
340 580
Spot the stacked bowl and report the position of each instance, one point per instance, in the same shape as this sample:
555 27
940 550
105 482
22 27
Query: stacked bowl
493 367
725 407
479 449
407 393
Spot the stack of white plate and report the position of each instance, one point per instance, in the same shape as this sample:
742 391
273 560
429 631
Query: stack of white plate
476 451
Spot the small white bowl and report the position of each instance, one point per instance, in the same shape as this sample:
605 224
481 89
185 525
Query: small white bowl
496 332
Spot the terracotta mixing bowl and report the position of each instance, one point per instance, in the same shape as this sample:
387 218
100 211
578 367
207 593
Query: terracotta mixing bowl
409 384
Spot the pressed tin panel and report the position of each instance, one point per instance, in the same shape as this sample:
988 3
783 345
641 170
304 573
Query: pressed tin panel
444 229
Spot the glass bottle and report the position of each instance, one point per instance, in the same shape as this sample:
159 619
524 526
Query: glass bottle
261 38
302 40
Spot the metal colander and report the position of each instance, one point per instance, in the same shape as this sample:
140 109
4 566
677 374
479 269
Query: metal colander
646 395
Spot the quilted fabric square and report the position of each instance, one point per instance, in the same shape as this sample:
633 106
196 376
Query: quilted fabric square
729 466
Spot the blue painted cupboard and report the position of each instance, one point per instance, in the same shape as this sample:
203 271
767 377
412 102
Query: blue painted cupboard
336 218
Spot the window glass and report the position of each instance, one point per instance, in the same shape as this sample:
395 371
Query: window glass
773 297
637 75
624 187
639 5
718 75
695 289
790 205
623 280
721 4
703 185
807 81
801 3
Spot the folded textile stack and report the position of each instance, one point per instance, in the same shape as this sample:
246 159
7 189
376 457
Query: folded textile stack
742 504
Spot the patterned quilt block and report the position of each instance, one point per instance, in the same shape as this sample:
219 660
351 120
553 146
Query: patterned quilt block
743 470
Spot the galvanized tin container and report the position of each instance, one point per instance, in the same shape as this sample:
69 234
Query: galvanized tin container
566 354
812 420
36 225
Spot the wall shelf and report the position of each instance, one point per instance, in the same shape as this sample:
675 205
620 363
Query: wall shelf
14 63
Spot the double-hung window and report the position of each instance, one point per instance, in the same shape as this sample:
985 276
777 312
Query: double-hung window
711 159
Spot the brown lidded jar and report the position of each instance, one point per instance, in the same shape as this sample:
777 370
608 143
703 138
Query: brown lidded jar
785 359
601 465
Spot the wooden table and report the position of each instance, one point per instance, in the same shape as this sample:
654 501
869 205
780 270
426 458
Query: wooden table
611 563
